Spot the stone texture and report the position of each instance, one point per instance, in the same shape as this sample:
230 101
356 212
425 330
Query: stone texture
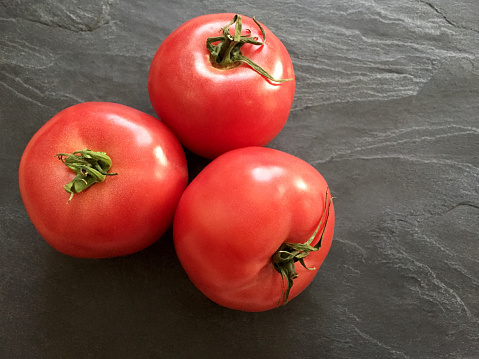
386 109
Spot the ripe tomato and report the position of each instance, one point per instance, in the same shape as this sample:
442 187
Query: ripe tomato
129 210
214 109
241 220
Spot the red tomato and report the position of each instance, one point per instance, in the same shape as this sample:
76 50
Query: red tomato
236 215
125 213
211 109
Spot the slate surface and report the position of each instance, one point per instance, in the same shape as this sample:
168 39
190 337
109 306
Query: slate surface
386 109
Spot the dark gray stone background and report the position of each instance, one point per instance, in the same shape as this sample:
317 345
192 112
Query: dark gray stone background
386 109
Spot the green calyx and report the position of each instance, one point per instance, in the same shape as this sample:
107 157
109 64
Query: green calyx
289 253
227 53
91 167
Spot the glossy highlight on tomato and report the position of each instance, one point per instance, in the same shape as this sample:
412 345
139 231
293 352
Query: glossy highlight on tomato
214 109
239 213
126 212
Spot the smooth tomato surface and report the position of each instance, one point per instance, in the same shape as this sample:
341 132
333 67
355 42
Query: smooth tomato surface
235 215
213 110
125 213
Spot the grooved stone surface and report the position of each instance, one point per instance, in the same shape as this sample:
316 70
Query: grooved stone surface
386 108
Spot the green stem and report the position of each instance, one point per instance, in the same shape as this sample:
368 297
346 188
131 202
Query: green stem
289 253
227 53
91 167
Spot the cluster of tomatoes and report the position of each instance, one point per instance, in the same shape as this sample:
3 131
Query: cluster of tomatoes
102 179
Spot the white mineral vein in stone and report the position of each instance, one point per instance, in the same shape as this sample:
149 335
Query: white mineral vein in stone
21 95
359 62
21 53
348 313
413 158
470 277
395 353
429 286
354 246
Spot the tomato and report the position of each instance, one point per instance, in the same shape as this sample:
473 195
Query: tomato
213 109
242 220
134 204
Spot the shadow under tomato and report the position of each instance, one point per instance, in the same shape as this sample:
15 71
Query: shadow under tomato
195 164
143 305
102 304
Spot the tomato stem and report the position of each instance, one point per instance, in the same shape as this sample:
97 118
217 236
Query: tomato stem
289 253
227 53
91 167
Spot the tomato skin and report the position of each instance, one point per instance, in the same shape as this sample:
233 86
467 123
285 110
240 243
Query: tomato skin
213 110
125 213
235 215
